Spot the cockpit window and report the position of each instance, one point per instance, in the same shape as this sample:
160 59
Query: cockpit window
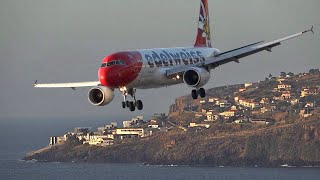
111 63
103 65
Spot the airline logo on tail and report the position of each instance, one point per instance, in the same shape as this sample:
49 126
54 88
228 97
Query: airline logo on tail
203 36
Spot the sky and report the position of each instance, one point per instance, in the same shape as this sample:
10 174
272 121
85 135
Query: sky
65 40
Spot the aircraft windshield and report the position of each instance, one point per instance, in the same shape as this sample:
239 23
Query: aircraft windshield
112 63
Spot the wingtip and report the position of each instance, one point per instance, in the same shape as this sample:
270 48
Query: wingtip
35 83
309 30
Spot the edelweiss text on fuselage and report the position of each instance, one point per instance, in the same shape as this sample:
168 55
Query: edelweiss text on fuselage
168 59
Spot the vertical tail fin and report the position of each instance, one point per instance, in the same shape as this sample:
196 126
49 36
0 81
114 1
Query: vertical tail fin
203 35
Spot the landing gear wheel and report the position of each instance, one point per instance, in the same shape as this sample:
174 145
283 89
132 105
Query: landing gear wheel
132 106
194 94
202 92
139 105
124 104
127 103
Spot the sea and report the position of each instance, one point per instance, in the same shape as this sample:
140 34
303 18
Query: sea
19 136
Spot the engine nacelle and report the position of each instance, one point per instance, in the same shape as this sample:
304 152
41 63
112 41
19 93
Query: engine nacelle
196 77
100 96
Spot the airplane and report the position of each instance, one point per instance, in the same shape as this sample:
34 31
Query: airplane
155 68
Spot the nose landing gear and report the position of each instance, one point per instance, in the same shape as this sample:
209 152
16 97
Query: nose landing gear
200 92
132 105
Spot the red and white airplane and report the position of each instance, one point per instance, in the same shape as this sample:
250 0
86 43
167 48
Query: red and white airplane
154 68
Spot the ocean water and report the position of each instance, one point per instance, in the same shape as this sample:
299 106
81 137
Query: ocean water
20 136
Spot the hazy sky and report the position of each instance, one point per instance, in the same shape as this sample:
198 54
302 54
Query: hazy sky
65 40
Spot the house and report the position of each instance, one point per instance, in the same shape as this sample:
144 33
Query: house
211 116
264 101
228 113
129 132
239 121
154 126
126 124
281 80
56 140
260 121
234 108
306 112
284 87
225 104
199 125
247 85
309 91
212 100
285 95
294 101
100 141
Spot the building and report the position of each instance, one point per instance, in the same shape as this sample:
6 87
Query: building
286 95
199 125
129 132
284 86
264 101
294 101
126 124
306 112
228 113
260 121
225 104
309 91
212 100
211 116
154 126
57 140
247 85
98 140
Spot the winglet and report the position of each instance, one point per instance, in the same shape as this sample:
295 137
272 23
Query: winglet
310 30
35 83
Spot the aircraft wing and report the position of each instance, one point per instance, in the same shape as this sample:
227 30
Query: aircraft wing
235 54
67 85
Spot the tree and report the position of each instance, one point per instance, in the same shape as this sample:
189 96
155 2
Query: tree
314 71
283 74
290 74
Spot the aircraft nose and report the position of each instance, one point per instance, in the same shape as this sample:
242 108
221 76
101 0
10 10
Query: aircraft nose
109 77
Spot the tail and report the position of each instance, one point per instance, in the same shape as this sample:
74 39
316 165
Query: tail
203 36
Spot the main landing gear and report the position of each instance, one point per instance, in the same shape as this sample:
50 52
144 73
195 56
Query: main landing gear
132 105
198 92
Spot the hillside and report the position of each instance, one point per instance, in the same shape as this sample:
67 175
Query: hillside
296 144
268 123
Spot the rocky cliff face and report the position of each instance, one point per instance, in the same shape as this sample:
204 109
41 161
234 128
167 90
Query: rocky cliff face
228 145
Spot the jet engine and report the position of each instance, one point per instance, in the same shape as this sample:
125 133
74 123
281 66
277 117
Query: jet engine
100 96
196 77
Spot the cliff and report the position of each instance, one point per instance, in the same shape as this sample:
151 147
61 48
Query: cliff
296 144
